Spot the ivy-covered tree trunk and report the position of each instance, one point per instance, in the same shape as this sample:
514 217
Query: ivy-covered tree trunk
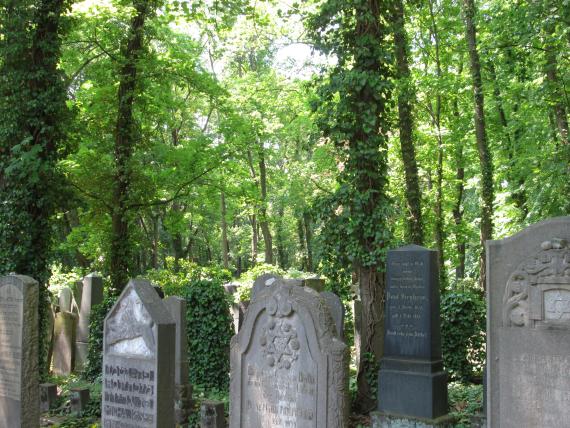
263 220
121 256
225 244
436 119
406 125
485 160
354 115
33 114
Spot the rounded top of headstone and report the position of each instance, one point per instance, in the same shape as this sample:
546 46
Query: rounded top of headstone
412 247
93 275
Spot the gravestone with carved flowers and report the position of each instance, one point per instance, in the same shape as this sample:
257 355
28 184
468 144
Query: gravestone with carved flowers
288 367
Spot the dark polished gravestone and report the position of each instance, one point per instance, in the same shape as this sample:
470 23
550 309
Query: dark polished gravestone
138 361
528 327
19 373
412 386
288 367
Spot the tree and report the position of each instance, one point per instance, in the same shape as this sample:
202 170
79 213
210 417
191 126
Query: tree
33 119
406 124
485 159
353 108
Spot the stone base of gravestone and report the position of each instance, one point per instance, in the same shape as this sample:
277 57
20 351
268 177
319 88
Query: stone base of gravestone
212 414
478 421
182 404
383 420
412 387
48 396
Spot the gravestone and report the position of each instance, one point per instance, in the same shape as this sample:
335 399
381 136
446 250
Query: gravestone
212 414
183 394
65 299
528 327
412 384
48 396
19 384
78 292
64 329
138 361
262 282
337 311
317 284
79 400
91 295
288 368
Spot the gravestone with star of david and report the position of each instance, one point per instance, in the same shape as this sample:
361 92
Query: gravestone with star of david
528 327
288 366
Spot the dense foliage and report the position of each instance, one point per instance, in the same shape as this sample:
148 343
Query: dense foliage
192 141
463 333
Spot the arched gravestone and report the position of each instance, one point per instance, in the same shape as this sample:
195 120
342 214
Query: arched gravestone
19 385
288 368
528 327
138 361
337 311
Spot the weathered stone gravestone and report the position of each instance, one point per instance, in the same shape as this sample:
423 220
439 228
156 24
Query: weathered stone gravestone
412 385
183 394
212 414
337 311
19 384
288 368
64 330
317 284
48 396
91 295
138 361
528 327
65 300
262 282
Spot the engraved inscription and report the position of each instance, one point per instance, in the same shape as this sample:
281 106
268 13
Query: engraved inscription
11 312
406 300
280 398
129 397
557 305
544 373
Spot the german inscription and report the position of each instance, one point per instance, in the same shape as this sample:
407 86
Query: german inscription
407 305
11 300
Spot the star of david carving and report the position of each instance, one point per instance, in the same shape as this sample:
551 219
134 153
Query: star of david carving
280 344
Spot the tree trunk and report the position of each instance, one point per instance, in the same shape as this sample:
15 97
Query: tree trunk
254 239
485 160
279 236
121 256
155 240
406 126
436 115
263 220
555 86
457 208
308 229
225 244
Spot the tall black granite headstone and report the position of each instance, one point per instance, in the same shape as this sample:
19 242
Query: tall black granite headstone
412 383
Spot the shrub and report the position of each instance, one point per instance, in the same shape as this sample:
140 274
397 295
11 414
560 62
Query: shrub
94 363
463 332
209 329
